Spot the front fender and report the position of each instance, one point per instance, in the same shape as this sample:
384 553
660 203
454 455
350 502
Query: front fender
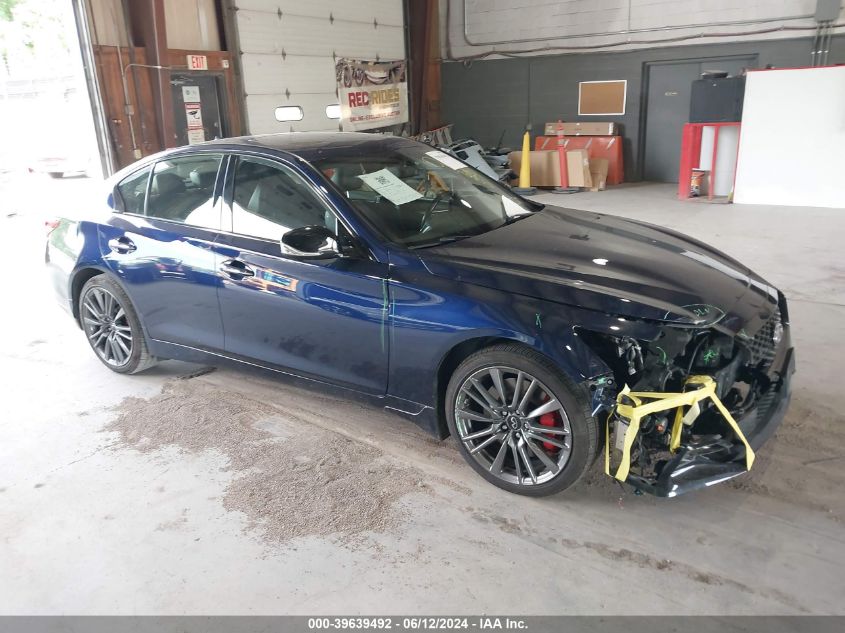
431 316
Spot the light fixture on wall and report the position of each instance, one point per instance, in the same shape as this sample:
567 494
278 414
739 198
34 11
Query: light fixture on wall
289 113
333 111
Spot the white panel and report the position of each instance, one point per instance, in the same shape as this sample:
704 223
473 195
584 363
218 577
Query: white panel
260 33
289 49
793 131
725 156
388 12
192 25
262 108
270 74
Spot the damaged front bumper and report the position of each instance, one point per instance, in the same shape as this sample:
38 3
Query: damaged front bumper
702 461
706 462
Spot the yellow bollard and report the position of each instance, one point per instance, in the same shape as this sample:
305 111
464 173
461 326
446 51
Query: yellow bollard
525 168
525 188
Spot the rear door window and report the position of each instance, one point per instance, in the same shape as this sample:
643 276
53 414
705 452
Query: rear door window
132 191
182 190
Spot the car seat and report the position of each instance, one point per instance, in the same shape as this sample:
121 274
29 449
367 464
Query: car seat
279 199
167 196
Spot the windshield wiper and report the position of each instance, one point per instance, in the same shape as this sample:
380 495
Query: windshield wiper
440 241
513 218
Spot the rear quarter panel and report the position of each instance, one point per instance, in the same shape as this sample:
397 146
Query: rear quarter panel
71 247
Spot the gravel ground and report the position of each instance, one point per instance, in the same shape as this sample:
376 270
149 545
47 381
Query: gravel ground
292 480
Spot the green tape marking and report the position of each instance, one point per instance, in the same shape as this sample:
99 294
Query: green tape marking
709 354
384 306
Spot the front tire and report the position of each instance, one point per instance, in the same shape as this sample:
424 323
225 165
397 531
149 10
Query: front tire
112 326
519 422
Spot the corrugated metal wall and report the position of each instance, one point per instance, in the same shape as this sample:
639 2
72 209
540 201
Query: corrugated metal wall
288 51
512 25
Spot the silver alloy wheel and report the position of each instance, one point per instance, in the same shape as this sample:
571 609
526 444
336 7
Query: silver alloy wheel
106 326
498 413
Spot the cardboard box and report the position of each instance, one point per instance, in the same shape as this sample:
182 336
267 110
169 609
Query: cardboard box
598 173
578 168
545 168
583 128
609 147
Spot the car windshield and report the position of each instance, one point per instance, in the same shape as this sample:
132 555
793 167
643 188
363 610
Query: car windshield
418 196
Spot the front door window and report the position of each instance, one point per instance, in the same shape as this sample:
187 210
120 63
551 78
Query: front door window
269 200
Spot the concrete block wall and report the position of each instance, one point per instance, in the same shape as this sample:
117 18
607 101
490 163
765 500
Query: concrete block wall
484 98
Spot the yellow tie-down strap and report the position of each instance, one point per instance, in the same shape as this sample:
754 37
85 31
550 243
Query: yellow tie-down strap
663 401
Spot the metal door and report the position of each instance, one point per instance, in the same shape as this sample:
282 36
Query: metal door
196 108
323 318
165 259
667 110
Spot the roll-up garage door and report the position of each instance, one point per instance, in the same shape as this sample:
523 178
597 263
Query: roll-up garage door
288 51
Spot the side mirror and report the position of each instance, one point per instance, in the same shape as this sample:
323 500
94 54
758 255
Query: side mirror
310 241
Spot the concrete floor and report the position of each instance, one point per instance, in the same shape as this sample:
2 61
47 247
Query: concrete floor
94 522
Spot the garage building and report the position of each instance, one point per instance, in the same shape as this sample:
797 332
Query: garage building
218 483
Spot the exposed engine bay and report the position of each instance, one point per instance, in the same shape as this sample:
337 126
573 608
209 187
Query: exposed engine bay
680 409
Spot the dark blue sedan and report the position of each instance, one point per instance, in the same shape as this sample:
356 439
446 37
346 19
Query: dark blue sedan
393 269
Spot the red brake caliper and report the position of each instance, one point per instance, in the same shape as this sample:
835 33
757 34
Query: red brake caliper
549 419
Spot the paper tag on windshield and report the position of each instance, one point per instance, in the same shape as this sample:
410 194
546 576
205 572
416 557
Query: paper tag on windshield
450 161
512 208
386 184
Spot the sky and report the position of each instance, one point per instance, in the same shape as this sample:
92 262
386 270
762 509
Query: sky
44 108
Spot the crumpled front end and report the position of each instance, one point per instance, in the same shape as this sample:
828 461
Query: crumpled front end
697 403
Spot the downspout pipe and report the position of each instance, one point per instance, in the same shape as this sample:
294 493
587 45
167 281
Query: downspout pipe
135 83
128 109
814 49
410 71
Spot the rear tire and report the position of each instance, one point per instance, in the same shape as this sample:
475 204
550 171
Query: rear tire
535 445
56 174
112 326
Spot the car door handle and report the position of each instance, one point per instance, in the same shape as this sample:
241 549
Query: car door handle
237 269
122 245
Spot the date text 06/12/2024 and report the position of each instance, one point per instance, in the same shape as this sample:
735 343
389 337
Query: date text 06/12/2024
482 623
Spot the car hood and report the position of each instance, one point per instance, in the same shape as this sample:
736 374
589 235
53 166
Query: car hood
611 265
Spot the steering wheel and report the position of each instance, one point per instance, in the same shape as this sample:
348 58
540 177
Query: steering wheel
425 223
434 183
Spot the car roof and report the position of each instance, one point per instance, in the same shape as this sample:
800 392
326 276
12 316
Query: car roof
310 146
315 145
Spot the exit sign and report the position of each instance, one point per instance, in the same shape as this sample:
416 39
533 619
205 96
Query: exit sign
197 62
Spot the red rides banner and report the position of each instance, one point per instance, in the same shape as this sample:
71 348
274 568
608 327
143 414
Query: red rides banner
371 94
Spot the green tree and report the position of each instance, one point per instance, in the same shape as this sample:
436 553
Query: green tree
6 15
33 34
6 7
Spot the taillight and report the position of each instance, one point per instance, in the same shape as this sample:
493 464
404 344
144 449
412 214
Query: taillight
51 225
